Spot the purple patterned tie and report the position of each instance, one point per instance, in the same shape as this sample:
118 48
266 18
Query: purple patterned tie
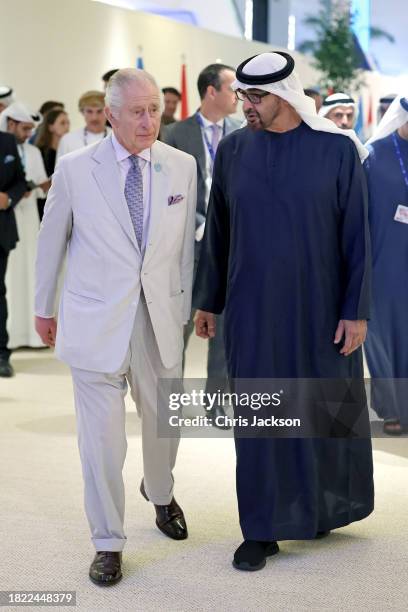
215 136
134 197
215 139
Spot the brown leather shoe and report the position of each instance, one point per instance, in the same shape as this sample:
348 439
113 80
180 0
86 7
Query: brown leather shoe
169 518
106 568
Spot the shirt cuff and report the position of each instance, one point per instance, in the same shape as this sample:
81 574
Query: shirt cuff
200 232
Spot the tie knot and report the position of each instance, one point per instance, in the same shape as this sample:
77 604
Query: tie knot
134 159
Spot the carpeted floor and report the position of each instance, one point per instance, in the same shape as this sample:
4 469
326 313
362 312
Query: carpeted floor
45 541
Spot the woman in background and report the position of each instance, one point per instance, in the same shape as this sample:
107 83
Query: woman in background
54 126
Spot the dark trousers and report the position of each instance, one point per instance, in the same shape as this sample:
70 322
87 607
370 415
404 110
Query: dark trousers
217 377
4 351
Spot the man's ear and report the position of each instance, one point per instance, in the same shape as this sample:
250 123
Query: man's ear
109 116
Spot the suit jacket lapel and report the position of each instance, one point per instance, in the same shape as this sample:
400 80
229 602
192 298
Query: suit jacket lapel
107 176
195 145
159 193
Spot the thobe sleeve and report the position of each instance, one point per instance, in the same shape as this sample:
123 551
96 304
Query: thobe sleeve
211 279
354 237
39 174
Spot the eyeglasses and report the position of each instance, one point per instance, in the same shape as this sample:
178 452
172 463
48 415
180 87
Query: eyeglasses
254 98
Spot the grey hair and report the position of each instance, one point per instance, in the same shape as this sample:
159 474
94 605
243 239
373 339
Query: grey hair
121 79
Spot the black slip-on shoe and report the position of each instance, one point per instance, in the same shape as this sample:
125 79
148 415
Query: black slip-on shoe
251 555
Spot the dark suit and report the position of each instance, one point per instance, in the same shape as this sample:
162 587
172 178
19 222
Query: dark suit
12 182
187 136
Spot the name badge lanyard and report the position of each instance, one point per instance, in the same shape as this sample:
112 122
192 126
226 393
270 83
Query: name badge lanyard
209 146
401 161
85 136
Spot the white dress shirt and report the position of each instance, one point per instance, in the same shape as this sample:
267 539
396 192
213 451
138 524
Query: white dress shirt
77 139
124 163
206 130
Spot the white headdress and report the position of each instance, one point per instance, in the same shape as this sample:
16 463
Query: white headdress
6 95
337 99
18 112
394 118
274 72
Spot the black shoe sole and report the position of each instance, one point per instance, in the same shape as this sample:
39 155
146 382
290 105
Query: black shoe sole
322 534
108 583
246 567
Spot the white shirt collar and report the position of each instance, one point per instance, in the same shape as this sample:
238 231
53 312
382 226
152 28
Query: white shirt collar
208 123
122 153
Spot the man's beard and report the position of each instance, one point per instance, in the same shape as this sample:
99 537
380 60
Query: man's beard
254 121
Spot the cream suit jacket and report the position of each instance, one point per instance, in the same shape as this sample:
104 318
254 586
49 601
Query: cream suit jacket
87 218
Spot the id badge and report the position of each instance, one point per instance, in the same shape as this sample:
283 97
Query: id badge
401 214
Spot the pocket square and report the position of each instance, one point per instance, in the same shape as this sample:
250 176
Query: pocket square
175 199
9 158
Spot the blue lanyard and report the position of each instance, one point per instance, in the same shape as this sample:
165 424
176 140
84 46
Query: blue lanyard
401 161
207 142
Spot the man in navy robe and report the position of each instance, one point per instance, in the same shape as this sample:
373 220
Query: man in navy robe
387 347
286 256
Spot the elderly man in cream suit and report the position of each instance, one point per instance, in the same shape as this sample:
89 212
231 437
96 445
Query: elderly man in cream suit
124 211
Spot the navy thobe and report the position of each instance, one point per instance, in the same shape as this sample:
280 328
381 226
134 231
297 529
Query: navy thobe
286 255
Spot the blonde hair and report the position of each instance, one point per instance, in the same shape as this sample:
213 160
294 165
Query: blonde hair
91 98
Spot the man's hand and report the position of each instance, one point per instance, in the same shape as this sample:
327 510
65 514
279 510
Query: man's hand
355 333
45 186
46 329
4 200
204 324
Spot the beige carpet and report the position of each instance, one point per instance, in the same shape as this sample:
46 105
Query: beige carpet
45 541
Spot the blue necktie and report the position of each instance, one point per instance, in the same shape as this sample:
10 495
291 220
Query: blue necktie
134 197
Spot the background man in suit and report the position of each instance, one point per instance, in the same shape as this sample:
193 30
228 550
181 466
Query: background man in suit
126 208
171 98
12 188
199 135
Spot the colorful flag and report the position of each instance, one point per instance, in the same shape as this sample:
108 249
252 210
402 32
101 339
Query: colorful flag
370 117
359 126
184 101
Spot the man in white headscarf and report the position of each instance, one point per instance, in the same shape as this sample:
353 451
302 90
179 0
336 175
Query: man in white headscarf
286 254
341 109
387 346
6 97
16 119
384 104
